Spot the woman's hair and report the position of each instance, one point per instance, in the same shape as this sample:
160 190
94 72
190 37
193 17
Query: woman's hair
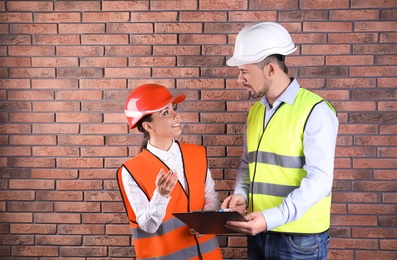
146 136
275 58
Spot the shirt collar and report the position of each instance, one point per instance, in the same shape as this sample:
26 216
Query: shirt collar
161 153
288 96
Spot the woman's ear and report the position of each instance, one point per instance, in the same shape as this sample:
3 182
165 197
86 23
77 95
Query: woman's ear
146 126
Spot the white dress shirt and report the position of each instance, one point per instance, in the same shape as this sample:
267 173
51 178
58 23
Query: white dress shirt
319 149
150 214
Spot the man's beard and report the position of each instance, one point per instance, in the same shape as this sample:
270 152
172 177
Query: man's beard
261 93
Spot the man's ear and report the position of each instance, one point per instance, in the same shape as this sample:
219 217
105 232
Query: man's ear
270 69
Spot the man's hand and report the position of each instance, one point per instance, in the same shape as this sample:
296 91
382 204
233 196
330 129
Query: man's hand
165 182
236 202
256 224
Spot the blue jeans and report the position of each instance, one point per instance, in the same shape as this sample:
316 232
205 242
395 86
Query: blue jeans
273 245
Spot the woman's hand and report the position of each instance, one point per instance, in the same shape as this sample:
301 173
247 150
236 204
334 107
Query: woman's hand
165 182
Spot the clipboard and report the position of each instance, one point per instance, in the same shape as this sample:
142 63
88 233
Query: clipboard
210 222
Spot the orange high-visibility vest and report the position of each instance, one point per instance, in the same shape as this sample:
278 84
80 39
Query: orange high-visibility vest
173 239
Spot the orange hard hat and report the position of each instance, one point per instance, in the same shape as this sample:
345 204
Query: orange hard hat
147 99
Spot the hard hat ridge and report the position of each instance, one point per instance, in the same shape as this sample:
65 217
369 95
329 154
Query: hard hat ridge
259 40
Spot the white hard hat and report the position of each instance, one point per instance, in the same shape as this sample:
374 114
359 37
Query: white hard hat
259 40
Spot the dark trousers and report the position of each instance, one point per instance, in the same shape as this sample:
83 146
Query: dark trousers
280 246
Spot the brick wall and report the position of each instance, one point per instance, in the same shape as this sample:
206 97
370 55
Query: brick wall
67 67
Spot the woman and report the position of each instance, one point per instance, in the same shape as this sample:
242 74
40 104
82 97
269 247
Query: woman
164 178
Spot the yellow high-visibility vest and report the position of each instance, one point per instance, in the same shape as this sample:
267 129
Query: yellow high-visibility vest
276 161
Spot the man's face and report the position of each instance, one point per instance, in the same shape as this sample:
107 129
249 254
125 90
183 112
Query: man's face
254 79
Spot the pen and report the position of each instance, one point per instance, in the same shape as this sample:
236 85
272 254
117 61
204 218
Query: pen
225 210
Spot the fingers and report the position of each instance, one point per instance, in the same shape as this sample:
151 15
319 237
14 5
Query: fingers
165 182
226 203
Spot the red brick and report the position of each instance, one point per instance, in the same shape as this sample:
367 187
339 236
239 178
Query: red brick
356 197
368 4
33 28
117 229
375 26
105 218
103 62
15 128
224 5
318 4
385 174
80 50
81 28
81 229
126 72
96 174
79 117
78 95
327 26
353 38
325 49
103 83
104 151
54 83
80 72
29 6
14 83
152 61
125 5
57 17
175 72
56 39
173 5
354 243
353 14
59 240
14 62
15 39
30 163
35 250
32 73
54 62
203 16
31 95
17 195
15 151
373 186
106 17
16 17
74 207
130 28
386 244
32 117
59 196
77 6
79 162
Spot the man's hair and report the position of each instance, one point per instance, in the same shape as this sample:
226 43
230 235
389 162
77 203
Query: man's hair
275 58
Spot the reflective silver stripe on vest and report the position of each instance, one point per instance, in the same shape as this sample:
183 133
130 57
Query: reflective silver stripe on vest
164 228
274 189
277 159
189 252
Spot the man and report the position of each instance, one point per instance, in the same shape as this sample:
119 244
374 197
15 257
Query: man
286 171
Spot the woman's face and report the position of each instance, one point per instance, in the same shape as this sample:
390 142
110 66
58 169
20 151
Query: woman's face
165 123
